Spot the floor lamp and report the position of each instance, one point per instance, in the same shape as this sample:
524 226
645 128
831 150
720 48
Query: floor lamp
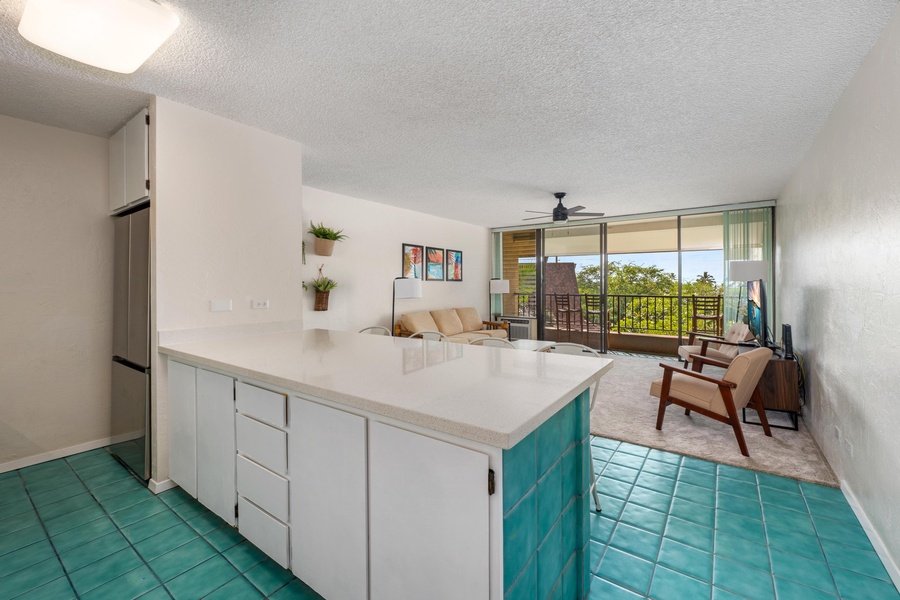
746 270
498 286
404 287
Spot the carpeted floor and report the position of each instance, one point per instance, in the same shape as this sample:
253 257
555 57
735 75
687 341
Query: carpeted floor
625 411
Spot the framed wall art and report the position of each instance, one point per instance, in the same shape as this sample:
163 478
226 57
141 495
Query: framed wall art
454 265
413 261
434 264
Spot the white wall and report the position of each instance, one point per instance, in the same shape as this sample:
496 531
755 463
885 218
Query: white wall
366 264
838 260
56 243
227 224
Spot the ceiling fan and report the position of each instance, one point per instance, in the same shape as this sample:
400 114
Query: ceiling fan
561 214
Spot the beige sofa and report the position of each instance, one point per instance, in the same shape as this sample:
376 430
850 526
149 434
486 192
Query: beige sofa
459 324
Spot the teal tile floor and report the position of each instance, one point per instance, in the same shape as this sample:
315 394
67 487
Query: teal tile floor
83 527
675 527
672 527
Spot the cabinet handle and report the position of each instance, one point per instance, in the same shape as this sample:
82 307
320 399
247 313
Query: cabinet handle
490 482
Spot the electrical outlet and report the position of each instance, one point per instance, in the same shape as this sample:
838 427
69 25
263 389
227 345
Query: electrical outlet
220 305
259 304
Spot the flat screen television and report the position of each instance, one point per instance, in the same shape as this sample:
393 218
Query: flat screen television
756 311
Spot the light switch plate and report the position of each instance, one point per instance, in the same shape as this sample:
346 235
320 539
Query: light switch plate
259 304
220 305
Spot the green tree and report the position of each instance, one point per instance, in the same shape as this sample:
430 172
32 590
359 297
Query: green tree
703 285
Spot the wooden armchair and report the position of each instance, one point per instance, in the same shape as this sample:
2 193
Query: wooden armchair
723 348
718 399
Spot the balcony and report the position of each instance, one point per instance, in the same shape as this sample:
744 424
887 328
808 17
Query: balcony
637 323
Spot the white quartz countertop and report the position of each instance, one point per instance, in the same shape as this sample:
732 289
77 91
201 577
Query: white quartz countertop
496 396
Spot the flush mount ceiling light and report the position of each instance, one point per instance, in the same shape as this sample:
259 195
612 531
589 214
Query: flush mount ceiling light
117 35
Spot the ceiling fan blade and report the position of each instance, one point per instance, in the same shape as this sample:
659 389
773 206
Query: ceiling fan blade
589 214
576 209
535 218
539 212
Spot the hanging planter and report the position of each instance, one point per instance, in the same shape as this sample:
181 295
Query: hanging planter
323 286
325 238
321 300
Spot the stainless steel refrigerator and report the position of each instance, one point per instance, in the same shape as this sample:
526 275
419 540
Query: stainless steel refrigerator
131 342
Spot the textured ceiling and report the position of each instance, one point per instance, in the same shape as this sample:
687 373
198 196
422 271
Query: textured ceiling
480 110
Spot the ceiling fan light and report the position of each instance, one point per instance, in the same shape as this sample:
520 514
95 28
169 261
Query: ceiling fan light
116 35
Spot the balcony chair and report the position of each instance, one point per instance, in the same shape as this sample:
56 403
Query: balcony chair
495 342
707 311
568 311
722 348
376 330
719 399
581 350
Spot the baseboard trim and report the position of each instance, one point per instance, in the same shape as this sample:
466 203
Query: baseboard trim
880 549
158 487
36 459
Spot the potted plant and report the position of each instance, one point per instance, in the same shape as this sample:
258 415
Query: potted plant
325 238
323 286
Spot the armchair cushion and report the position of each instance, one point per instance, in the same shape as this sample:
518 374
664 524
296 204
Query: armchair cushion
447 321
418 321
470 319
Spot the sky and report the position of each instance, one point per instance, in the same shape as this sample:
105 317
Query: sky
694 263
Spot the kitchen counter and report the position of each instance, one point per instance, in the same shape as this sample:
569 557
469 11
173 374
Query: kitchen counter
494 396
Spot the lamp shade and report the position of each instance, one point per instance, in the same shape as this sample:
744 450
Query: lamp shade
748 270
407 287
117 35
499 286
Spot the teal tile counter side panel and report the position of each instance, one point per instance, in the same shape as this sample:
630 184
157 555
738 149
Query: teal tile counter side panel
545 522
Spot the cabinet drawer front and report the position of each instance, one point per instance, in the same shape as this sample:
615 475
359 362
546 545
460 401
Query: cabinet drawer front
261 404
264 444
265 532
266 489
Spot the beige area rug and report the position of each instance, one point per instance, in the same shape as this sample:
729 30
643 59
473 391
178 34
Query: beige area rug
625 411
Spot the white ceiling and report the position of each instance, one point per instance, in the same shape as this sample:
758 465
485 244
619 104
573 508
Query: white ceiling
480 110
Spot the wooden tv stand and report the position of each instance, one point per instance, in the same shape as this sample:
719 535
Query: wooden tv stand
779 390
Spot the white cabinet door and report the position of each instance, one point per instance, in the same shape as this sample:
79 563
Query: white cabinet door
117 170
183 426
215 444
428 518
136 158
327 462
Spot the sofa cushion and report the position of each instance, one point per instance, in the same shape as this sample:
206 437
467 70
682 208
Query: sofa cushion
472 335
418 321
471 320
447 321
495 333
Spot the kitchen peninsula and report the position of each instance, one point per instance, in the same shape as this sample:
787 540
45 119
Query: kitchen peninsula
378 467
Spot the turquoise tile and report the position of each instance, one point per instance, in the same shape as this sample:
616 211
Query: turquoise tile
644 518
525 585
60 493
83 534
236 589
223 538
782 499
666 457
779 483
58 589
742 550
595 553
46 486
790 590
651 499
567 587
174 497
30 578
795 542
612 507
189 510
549 562
789 519
519 537
91 471
575 529
602 589
832 510
690 534
822 492
749 529
698 478
738 488
625 570
244 556
127 586
139 511
865 562
85 459
68 505
694 493
621 473
804 571
663 469
568 425
853 586
73 519
14 495
205 523
745 475
743 580
267 577
21 538
166 541
16 507
549 500
605 443
601 527
614 487
549 444
657 483
633 449
106 569
519 470
671 585
842 532
181 559
627 460
691 511
157 593
296 590
13 524
116 488
739 506
125 500
107 477
570 470
636 541
720 594
685 559
583 415
150 526
202 579
93 551
704 466
26 557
